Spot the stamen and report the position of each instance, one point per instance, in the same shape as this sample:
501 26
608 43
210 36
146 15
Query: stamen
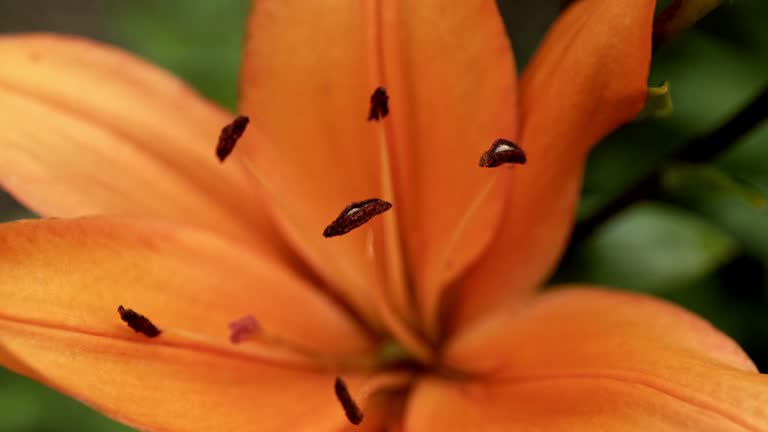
379 104
502 152
351 410
355 215
229 136
242 328
138 322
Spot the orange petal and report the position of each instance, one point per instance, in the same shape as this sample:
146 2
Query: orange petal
588 77
451 76
91 129
577 404
383 413
309 71
74 273
164 387
305 87
589 359
63 279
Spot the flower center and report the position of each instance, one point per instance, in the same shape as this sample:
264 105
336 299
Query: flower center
400 357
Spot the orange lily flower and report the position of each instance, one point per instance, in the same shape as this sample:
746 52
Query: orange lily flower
428 313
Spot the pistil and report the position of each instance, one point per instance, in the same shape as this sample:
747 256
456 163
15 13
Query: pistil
243 328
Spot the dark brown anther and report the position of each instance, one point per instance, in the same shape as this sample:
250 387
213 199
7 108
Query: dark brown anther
229 136
379 104
351 410
138 322
356 214
502 152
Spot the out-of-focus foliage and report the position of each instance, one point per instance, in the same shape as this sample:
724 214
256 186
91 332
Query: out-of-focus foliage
702 241
654 248
199 40
707 246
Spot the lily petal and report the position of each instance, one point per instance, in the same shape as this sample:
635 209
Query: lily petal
63 279
383 413
451 75
309 71
305 87
170 388
90 129
590 359
588 77
73 273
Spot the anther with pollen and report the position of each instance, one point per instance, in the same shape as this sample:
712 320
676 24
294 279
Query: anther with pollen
351 410
138 322
502 152
241 329
379 104
229 136
355 215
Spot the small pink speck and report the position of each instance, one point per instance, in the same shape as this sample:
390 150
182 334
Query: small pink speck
242 328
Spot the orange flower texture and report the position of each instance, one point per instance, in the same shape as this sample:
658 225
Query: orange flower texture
340 260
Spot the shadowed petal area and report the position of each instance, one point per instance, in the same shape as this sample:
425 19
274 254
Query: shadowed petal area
91 129
588 77
590 359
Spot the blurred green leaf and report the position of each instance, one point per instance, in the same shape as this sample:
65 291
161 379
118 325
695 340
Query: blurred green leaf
623 158
201 41
749 158
683 178
652 248
713 79
748 224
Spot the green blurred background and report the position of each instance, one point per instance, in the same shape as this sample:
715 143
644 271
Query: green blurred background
698 237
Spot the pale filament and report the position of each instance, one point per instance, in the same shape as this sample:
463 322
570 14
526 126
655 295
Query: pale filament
394 304
439 278
395 323
396 283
